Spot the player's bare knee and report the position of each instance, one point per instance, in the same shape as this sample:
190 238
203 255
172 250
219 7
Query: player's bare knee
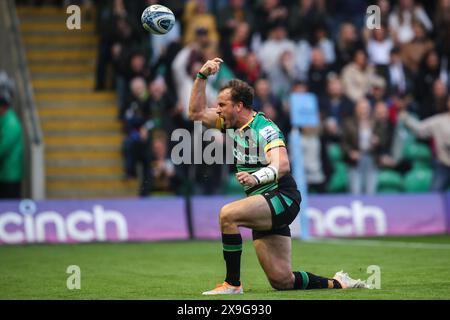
226 216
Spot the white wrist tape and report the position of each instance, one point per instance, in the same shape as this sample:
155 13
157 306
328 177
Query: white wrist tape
266 175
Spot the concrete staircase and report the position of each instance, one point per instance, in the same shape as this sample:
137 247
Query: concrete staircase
81 133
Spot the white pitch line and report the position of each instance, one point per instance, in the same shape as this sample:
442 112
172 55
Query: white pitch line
380 243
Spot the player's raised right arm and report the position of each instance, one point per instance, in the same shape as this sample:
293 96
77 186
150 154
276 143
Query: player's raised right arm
198 111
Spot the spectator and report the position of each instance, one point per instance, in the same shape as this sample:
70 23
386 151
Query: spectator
322 41
274 46
135 118
124 43
437 102
335 107
136 67
137 104
385 130
160 45
268 14
11 143
377 92
304 16
347 43
385 9
379 47
304 47
106 15
399 77
311 144
402 19
231 15
238 47
357 76
196 16
442 27
399 103
413 51
348 11
428 73
185 67
160 107
252 68
436 127
360 140
283 74
268 103
163 170
318 72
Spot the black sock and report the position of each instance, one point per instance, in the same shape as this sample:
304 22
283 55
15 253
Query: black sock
232 249
306 281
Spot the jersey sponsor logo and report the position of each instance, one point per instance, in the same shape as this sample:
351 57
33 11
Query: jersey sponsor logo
268 133
244 158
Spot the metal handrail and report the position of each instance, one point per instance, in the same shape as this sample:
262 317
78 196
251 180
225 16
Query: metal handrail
34 181
29 103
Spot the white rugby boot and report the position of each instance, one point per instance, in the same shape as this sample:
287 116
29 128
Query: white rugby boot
348 283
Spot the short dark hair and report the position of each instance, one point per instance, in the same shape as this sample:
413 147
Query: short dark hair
240 91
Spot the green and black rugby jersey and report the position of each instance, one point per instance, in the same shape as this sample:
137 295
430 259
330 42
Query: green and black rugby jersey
250 144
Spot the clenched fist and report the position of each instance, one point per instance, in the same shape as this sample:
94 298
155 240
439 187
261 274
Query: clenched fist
246 179
211 67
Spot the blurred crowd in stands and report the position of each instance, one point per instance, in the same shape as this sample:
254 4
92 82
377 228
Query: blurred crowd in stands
382 94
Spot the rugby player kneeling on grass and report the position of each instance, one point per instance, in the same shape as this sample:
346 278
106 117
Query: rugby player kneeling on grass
273 200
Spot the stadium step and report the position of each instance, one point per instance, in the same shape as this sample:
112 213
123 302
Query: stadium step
79 112
83 170
50 56
71 193
83 162
57 27
78 97
82 135
62 47
87 139
82 176
77 125
92 184
45 41
47 11
63 83
62 69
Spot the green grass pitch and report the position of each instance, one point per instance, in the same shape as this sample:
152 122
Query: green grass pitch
182 270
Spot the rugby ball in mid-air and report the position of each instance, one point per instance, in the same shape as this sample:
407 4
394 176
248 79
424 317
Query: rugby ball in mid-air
158 19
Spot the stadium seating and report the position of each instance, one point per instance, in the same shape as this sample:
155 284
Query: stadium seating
419 154
418 180
389 181
335 153
339 179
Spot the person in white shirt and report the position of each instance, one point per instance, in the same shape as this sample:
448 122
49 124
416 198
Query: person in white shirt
274 46
436 127
379 46
401 20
